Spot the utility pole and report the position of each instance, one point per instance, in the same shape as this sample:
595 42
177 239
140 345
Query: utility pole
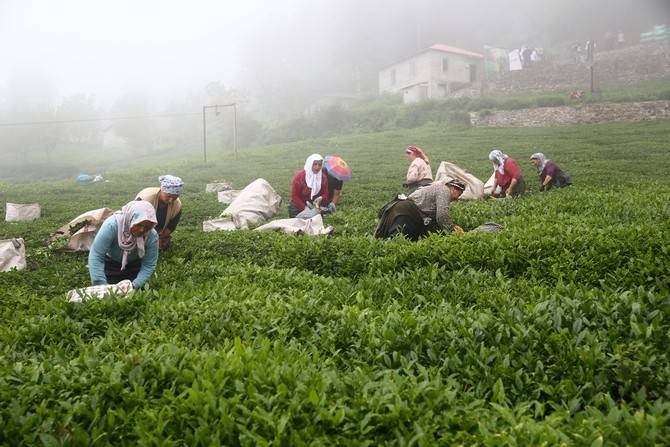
590 50
204 125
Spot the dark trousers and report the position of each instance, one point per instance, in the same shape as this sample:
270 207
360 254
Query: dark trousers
293 210
114 273
408 226
518 189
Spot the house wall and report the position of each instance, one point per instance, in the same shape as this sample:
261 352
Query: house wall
403 74
427 79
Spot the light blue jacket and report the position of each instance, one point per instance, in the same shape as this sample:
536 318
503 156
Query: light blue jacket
106 243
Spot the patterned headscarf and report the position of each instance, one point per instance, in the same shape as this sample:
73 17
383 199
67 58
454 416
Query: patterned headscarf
171 184
498 156
418 152
313 180
132 213
455 183
543 160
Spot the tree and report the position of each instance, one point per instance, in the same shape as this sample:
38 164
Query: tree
137 131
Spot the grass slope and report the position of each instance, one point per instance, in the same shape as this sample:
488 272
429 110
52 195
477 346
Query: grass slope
554 331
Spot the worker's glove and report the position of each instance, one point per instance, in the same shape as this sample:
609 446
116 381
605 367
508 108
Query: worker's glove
331 207
309 205
317 202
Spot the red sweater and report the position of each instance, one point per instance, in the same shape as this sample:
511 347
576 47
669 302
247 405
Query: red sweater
511 171
301 193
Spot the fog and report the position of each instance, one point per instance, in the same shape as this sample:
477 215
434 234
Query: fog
275 58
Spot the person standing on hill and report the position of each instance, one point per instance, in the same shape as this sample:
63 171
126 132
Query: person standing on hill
309 187
425 210
551 175
507 175
418 173
166 203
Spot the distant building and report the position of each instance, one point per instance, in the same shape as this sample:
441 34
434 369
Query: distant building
433 73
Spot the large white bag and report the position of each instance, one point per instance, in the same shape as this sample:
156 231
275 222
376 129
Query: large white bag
217 187
12 254
257 202
123 288
227 197
474 188
18 212
488 186
82 239
311 227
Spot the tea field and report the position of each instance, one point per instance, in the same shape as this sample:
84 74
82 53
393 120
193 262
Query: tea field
554 331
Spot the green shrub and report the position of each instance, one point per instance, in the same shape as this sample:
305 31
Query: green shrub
550 101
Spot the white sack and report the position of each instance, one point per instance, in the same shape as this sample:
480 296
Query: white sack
312 227
221 224
228 196
12 254
488 186
257 202
474 188
83 238
217 187
123 288
17 212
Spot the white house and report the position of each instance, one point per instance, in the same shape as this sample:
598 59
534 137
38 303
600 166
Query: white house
433 73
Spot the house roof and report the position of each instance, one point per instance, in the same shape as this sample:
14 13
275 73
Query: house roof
439 47
449 49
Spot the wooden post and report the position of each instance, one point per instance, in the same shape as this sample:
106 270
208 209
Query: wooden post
204 134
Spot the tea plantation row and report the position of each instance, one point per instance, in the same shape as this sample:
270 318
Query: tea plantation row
554 331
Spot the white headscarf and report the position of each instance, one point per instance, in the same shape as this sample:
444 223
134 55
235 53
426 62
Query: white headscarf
498 156
132 213
313 180
543 160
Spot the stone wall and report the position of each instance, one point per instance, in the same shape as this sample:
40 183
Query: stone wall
566 115
621 67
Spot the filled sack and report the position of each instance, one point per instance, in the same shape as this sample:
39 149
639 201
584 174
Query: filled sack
12 254
227 197
81 230
123 288
474 188
217 187
20 212
256 203
311 227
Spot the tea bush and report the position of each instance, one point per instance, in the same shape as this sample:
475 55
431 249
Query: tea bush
553 331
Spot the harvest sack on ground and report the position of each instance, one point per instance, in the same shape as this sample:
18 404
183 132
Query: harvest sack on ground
257 202
88 225
311 227
123 288
474 188
217 187
12 254
18 212
228 196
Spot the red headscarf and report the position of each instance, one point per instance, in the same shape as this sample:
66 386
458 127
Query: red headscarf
418 152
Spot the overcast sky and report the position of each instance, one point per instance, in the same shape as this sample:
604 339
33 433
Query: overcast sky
168 47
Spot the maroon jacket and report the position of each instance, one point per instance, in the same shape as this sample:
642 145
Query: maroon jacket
301 193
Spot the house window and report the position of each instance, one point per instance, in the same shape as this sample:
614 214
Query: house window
473 73
412 69
445 64
393 77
